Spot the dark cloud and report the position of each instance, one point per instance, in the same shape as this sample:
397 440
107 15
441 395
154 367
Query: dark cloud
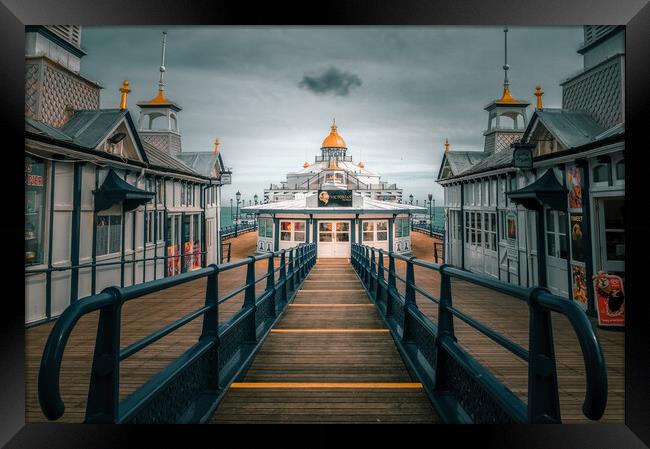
331 81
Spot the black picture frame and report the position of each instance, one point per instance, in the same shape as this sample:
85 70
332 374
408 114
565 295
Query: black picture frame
634 14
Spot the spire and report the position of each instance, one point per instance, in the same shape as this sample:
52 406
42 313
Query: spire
507 97
216 146
333 124
125 92
538 93
160 98
446 145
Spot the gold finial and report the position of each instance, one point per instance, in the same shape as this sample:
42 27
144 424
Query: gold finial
216 146
333 126
125 92
305 165
361 164
538 93
446 145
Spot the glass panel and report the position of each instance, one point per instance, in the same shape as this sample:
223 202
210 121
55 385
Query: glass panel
285 236
493 222
550 221
600 173
261 223
285 226
269 228
563 247
561 218
368 237
342 236
620 170
478 220
382 236
368 225
343 226
102 234
325 226
614 213
325 237
115 233
299 236
382 226
550 244
615 242
494 241
34 210
299 225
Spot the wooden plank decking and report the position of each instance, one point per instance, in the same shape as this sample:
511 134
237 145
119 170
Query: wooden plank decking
329 360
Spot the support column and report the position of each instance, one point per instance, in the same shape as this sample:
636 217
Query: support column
75 235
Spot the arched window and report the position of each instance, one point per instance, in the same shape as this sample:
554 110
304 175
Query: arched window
600 173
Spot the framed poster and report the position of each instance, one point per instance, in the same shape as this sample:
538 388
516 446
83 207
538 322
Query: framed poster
335 198
610 299
511 229
574 184
577 239
579 285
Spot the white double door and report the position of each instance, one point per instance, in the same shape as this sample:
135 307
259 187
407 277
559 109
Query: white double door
556 252
333 238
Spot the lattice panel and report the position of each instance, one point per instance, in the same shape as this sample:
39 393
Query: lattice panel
31 90
503 141
597 92
157 140
60 90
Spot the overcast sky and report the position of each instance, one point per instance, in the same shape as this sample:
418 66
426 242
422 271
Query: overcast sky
269 93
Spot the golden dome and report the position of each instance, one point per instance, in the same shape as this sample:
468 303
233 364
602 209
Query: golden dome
360 164
305 165
507 98
334 140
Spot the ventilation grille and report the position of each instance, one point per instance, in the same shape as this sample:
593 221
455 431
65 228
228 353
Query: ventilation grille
70 33
595 32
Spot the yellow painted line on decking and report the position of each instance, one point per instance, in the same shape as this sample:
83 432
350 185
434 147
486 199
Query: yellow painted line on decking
313 385
328 330
331 305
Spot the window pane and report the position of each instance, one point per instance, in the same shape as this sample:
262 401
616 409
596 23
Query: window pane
269 228
550 221
615 242
262 227
115 233
102 235
614 213
382 236
342 236
368 237
285 226
35 182
299 225
561 216
325 237
600 173
344 226
325 226
299 236
368 225
620 169
382 226
563 248
550 244
285 236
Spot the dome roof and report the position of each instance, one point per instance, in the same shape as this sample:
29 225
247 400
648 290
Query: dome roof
334 140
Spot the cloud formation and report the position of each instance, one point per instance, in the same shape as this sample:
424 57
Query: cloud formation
331 81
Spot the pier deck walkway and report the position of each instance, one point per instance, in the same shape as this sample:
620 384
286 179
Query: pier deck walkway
330 359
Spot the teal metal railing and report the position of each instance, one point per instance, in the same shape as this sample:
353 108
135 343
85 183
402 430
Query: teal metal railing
190 388
462 389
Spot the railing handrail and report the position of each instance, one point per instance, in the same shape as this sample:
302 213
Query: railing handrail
49 373
537 298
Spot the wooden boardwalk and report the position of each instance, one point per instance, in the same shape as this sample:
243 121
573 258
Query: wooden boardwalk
145 315
330 359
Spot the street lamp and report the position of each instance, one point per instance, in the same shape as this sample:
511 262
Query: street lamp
430 215
255 198
238 196
411 198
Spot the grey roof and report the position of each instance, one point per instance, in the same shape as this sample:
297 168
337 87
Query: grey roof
160 158
47 130
87 128
571 128
460 161
201 162
493 161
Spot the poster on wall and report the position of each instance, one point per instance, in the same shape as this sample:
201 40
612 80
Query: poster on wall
579 284
574 184
197 255
577 239
610 299
187 249
335 198
173 263
511 225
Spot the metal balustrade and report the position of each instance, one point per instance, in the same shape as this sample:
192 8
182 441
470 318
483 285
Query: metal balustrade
234 230
190 388
462 389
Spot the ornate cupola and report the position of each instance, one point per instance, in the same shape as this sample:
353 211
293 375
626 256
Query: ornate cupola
507 115
158 124
333 146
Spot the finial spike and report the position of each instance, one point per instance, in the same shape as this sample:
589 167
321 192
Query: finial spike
446 145
216 146
538 93
505 63
125 92
161 83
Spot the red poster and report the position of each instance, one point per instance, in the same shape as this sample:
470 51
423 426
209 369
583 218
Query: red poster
610 299
197 255
173 263
187 249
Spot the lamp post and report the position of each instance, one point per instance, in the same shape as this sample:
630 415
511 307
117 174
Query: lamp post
255 198
430 215
238 196
411 199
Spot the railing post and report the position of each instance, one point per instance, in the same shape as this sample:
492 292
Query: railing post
392 286
380 277
103 394
445 329
270 282
435 251
366 266
249 297
290 274
211 318
543 399
283 277
371 278
409 299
